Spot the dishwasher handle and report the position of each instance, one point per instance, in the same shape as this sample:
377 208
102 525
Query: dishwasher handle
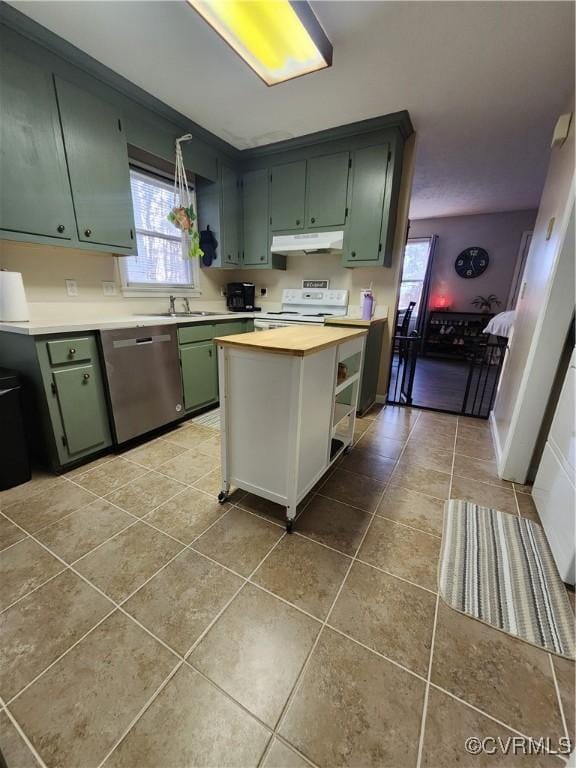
141 340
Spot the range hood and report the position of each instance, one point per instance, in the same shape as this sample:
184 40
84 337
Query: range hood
307 242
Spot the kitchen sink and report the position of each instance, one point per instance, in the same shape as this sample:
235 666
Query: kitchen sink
182 314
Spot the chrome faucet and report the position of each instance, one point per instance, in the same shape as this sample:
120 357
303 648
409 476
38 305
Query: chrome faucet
187 307
172 309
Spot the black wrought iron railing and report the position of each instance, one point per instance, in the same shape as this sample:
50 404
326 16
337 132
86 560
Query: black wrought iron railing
403 369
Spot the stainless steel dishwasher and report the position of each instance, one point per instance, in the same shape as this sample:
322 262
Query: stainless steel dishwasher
143 374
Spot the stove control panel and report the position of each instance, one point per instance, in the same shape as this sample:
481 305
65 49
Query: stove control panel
314 298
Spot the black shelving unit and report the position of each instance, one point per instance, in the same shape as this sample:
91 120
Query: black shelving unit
454 335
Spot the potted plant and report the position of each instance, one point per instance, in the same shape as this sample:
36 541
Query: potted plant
485 303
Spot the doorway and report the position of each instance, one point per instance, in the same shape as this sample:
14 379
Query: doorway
442 360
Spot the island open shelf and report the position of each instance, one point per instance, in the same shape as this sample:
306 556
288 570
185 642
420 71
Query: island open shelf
287 408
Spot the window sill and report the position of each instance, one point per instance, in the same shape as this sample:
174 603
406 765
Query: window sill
160 293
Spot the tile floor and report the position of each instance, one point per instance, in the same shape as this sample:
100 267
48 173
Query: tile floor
144 625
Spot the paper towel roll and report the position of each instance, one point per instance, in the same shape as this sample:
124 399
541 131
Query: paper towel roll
13 304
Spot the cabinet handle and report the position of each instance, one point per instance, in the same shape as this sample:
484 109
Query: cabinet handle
60 227
71 351
297 222
210 352
312 220
262 258
353 254
85 376
87 232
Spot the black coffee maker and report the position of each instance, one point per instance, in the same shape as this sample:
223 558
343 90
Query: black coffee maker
240 297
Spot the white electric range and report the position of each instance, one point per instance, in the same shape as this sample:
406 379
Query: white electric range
303 306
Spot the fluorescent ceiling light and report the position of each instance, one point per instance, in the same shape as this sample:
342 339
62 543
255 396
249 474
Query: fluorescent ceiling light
279 39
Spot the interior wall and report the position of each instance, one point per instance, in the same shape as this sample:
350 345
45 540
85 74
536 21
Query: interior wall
543 315
498 233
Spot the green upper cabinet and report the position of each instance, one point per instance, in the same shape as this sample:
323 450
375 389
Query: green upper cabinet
230 236
97 158
287 195
362 238
34 189
327 190
256 251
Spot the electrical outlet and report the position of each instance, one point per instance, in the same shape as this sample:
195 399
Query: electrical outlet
223 292
109 288
71 287
263 292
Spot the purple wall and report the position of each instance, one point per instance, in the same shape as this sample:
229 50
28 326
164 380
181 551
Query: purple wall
498 233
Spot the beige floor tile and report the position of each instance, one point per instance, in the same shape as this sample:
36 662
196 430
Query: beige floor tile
191 724
527 507
520 488
123 564
354 708
412 508
281 756
40 481
484 494
420 479
441 461
565 671
474 433
399 413
239 540
78 533
427 440
256 650
15 751
180 602
402 551
473 423
24 567
333 524
212 484
189 436
477 469
145 494
368 463
153 454
501 675
304 573
264 508
43 625
351 488
385 446
83 468
78 709
449 723
49 505
360 428
374 411
388 615
9 533
110 476
397 430
187 515
189 466
432 428
212 447
480 448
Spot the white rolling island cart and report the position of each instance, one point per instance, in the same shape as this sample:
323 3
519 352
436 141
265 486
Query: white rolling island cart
288 401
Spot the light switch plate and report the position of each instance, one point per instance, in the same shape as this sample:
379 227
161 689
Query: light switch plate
71 287
109 288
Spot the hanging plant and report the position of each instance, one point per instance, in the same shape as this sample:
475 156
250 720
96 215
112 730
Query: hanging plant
182 214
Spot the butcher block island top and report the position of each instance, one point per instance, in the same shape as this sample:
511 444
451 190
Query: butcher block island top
298 340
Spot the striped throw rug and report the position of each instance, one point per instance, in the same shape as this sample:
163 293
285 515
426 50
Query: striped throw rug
208 419
498 568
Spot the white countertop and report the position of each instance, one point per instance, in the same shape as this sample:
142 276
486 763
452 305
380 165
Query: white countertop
128 321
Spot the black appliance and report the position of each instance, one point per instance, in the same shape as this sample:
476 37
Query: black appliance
240 297
14 463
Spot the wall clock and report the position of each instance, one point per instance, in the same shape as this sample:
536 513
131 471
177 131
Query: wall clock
472 262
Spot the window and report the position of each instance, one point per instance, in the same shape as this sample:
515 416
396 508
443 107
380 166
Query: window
416 256
160 265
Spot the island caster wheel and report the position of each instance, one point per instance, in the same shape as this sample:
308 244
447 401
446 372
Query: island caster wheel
222 496
347 450
289 526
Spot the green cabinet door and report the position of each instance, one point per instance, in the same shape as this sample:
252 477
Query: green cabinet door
97 158
327 190
230 244
35 193
362 240
84 420
287 195
199 374
256 251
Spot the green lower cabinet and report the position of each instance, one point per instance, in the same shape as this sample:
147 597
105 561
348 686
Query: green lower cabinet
84 424
199 364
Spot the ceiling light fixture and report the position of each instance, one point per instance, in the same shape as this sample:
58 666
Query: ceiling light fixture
278 39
